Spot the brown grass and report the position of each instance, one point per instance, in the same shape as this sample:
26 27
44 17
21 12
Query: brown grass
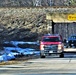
9 62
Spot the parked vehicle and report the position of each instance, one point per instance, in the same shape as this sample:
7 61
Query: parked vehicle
21 48
6 56
13 50
71 41
51 44
30 51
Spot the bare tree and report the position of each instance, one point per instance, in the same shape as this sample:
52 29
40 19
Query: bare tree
37 2
51 2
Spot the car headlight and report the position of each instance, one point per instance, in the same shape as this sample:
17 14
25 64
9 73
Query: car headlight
67 41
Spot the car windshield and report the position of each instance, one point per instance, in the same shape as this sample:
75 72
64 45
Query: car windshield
51 39
73 37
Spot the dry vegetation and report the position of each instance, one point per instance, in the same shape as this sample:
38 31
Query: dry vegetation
26 24
9 63
20 23
28 3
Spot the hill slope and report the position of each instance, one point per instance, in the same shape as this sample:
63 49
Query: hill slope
21 24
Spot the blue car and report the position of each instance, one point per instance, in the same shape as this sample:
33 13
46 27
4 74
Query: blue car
71 41
6 57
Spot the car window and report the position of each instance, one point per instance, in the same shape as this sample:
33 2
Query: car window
23 46
51 39
8 45
14 51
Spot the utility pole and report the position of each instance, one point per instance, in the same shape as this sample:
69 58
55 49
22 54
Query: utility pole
53 27
51 24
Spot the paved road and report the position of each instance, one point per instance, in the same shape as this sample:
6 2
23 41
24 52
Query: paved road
48 66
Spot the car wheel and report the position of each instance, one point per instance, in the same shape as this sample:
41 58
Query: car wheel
66 47
42 56
61 55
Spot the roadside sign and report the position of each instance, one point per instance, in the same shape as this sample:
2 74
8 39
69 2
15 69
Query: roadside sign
72 17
